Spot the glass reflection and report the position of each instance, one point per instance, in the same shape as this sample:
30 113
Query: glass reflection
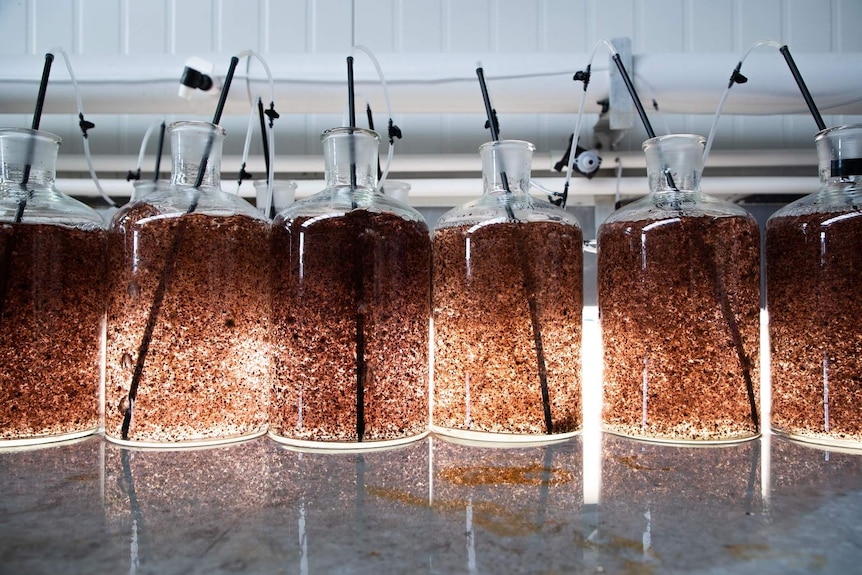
656 500
186 509
513 506
374 502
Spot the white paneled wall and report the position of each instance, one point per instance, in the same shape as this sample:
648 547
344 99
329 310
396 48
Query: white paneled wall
187 27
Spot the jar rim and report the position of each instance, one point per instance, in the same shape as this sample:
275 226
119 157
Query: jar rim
345 130
513 143
49 136
675 138
842 128
196 124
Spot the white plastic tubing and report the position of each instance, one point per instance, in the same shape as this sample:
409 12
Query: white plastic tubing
443 83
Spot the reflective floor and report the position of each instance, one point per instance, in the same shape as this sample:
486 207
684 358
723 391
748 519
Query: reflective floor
592 504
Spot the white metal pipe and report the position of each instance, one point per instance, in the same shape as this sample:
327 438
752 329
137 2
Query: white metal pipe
447 192
684 83
456 163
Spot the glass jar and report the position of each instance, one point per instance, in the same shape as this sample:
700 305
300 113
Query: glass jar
188 307
143 188
397 190
52 307
351 308
283 194
813 250
508 299
679 307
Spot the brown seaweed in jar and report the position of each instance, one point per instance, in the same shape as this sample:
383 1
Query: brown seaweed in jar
315 327
187 359
486 377
351 309
52 271
814 282
679 306
50 330
508 298
206 370
679 309
813 249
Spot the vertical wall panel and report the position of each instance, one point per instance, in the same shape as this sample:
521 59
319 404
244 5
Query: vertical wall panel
754 132
612 18
809 25
193 26
288 32
375 25
759 20
661 26
711 26
147 26
239 22
188 27
13 27
54 25
469 26
100 27
422 134
517 26
421 26
848 14
564 26
331 26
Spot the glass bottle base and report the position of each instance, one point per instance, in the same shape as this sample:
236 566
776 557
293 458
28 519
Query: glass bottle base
46 440
190 444
822 440
684 442
487 438
344 446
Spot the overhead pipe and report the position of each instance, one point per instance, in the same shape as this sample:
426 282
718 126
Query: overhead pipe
448 192
681 83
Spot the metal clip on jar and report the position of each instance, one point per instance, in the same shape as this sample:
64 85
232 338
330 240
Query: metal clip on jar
508 299
351 308
52 272
188 307
814 298
679 304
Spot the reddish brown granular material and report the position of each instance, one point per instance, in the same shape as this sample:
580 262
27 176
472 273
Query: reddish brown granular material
356 281
486 373
679 306
814 287
50 330
206 374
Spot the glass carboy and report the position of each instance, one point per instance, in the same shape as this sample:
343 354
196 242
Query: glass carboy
814 299
52 307
188 308
351 308
508 298
679 304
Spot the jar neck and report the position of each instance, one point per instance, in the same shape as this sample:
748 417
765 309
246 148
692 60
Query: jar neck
674 163
350 157
196 149
839 155
28 159
506 166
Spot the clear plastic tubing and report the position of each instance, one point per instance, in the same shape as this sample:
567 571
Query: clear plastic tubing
144 141
577 132
86 140
391 151
709 140
270 134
